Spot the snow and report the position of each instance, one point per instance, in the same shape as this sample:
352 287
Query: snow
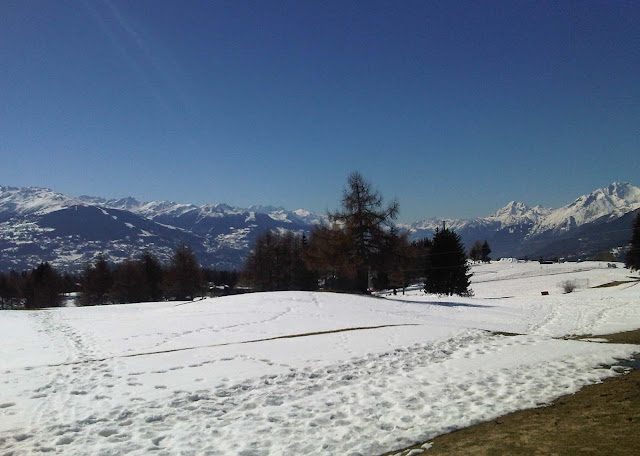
613 201
34 201
292 373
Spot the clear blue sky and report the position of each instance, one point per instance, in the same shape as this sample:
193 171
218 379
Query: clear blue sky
453 107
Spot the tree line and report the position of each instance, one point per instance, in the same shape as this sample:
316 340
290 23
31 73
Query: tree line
43 286
142 279
357 250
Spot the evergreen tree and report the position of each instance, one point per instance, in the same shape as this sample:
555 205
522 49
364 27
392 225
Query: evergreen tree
396 265
11 290
447 271
152 276
42 287
363 218
485 251
183 279
96 283
476 251
277 263
632 260
128 283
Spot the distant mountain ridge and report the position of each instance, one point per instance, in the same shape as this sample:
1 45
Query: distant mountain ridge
521 230
38 224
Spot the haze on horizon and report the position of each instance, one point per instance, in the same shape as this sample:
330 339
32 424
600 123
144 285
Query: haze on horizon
454 108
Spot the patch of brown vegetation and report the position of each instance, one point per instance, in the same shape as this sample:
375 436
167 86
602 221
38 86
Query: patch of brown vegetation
600 419
615 283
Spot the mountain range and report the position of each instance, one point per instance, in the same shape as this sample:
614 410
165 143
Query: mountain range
38 224
598 221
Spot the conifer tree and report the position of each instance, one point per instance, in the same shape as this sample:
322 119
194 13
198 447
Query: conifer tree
183 279
447 271
128 283
328 257
363 219
485 251
632 260
96 283
152 275
43 288
476 251
277 262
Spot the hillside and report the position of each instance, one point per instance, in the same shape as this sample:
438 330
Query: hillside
292 373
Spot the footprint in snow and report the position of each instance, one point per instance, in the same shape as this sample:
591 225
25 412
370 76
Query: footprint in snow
107 432
64 441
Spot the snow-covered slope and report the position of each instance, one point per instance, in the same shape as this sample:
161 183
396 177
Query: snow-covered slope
300 373
33 201
163 209
612 201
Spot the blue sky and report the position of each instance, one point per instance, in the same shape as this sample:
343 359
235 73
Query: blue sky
453 107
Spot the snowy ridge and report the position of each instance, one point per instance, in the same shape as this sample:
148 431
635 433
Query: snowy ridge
34 201
38 224
612 201
517 213
155 209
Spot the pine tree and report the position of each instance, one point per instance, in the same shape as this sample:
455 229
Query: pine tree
96 282
277 263
152 275
363 219
632 260
183 279
43 288
447 272
476 251
128 283
485 251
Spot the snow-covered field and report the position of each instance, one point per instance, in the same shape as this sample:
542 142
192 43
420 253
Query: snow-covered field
296 373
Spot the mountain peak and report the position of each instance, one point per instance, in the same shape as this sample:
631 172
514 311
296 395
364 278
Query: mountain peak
33 200
512 209
622 190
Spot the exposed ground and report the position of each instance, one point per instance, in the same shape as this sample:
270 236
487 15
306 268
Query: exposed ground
600 419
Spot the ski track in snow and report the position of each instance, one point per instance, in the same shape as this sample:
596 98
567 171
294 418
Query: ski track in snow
351 393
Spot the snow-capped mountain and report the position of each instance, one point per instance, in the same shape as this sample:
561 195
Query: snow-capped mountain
32 201
612 202
37 224
519 230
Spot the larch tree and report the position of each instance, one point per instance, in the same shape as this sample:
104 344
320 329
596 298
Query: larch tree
363 219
